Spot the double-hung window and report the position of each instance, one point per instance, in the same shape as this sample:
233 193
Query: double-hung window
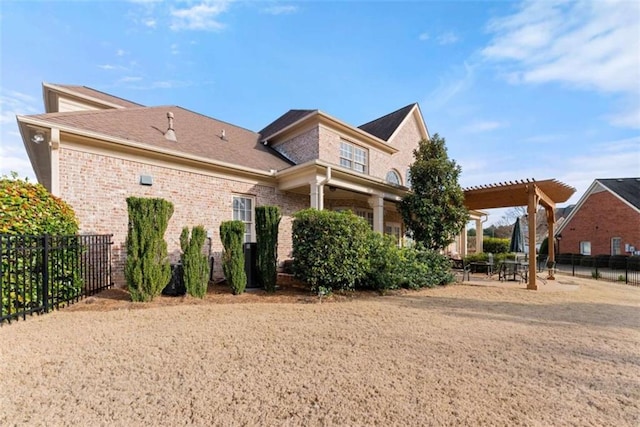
585 248
353 157
243 211
616 246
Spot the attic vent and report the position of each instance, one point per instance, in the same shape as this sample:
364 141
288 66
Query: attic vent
223 135
170 134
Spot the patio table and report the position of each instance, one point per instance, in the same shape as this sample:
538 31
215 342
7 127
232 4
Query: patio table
510 269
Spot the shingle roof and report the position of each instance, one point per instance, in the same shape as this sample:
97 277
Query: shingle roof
288 118
196 134
384 126
627 188
87 91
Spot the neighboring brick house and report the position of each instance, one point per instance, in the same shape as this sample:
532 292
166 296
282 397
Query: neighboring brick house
94 150
605 221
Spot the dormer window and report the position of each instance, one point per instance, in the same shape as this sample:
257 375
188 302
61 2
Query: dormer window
393 178
353 157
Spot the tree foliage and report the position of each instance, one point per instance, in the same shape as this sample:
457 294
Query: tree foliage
194 263
434 213
147 268
27 208
231 233
267 222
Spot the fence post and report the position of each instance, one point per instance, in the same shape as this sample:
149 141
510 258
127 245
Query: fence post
573 266
595 261
45 273
626 271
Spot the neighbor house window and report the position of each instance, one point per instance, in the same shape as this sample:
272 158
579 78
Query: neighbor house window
585 248
243 211
616 246
393 177
353 157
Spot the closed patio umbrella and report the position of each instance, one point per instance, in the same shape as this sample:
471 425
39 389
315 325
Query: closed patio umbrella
517 238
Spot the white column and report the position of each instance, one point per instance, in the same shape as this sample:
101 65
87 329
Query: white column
377 204
462 250
54 145
479 236
313 194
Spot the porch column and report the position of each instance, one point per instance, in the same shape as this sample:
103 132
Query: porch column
479 236
462 250
54 145
377 204
314 190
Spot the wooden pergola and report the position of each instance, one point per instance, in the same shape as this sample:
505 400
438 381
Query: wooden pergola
528 193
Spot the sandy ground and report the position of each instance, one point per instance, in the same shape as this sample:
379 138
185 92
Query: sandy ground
474 354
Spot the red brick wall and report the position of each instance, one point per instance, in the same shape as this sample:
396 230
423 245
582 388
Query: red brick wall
96 185
601 217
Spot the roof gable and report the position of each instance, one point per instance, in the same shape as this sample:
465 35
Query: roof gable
385 126
627 189
284 121
84 93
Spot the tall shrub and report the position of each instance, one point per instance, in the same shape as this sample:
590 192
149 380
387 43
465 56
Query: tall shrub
194 263
495 245
330 249
29 209
147 269
231 233
267 221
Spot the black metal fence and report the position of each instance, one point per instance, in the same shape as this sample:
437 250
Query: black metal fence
40 273
614 268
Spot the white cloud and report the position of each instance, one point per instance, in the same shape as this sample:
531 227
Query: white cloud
280 9
121 52
14 103
449 89
129 79
484 126
423 36
447 38
627 119
149 22
175 49
587 44
202 16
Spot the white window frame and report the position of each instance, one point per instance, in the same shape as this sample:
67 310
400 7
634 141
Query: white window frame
616 246
366 214
394 229
354 157
394 173
585 247
248 236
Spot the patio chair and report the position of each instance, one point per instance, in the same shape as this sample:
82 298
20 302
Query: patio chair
460 266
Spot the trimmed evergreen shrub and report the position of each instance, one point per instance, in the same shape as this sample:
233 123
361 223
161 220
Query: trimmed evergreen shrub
425 268
147 268
232 233
495 245
330 249
544 247
267 221
195 267
386 263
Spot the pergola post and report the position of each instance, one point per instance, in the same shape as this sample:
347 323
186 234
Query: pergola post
531 212
551 241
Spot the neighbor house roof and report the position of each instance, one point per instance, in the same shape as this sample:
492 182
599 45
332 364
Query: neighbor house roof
87 92
384 126
287 119
196 134
626 188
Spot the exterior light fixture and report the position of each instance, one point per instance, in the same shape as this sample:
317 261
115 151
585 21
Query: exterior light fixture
38 137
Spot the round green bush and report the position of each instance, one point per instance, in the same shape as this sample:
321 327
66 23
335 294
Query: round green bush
28 208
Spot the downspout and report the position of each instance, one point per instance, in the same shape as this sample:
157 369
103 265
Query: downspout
321 185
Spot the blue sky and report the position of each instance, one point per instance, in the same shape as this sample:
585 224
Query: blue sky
518 89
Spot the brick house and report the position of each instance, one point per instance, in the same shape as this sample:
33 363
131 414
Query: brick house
605 221
94 150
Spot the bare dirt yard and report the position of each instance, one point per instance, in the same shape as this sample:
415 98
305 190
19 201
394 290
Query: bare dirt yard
473 354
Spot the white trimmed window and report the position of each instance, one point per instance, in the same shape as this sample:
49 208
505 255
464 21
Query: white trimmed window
367 214
394 229
243 211
616 246
353 157
585 248
393 178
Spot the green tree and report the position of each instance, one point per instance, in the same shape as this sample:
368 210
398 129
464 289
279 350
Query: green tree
194 263
231 233
147 268
434 213
267 221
